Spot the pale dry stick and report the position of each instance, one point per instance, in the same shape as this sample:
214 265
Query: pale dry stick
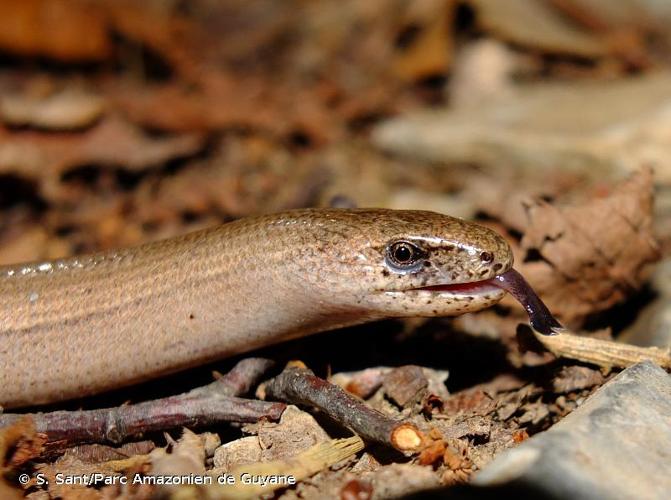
604 353
297 468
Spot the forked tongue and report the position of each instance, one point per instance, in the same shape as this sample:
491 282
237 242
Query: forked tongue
540 317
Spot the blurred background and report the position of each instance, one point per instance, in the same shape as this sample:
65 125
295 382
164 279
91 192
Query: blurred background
123 122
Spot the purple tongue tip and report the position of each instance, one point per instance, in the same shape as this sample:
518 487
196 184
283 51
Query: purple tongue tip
540 317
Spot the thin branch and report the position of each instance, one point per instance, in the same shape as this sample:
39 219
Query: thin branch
239 381
299 385
207 405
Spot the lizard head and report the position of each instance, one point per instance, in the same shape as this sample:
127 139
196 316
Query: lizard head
408 263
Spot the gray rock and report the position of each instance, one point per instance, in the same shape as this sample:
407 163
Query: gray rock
616 445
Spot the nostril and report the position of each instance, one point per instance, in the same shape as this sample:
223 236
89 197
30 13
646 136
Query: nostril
486 257
497 267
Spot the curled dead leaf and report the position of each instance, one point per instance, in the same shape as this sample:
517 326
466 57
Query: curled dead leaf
587 257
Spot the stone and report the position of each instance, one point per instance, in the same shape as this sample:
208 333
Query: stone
615 445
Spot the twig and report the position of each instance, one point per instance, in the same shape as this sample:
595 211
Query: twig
287 472
114 425
299 385
604 353
207 405
240 380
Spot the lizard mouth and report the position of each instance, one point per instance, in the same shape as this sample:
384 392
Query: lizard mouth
471 288
511 281
473 292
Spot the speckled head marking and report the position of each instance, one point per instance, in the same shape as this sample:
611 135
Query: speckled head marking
405 263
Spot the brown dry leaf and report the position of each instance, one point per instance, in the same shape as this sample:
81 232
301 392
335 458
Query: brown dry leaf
227 76
186 457
470 401
362 384
79 30
163 29
576 377
505 199
585 258
405 385
116 142
432 452
482 399
533 413
230 101
43 158
69 30
243 176
511 403
457 462
19 443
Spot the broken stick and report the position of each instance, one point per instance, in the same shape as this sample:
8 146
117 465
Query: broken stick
604 353
299 385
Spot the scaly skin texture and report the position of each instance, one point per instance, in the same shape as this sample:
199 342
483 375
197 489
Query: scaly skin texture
79 326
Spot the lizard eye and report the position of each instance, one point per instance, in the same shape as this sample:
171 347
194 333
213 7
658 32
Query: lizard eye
486 257
403 255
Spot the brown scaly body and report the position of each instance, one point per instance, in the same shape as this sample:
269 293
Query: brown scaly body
83 325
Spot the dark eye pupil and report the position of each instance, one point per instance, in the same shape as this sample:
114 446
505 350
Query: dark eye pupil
486 257
403 253
404 257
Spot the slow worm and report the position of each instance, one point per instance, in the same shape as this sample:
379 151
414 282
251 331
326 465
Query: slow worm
79 326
